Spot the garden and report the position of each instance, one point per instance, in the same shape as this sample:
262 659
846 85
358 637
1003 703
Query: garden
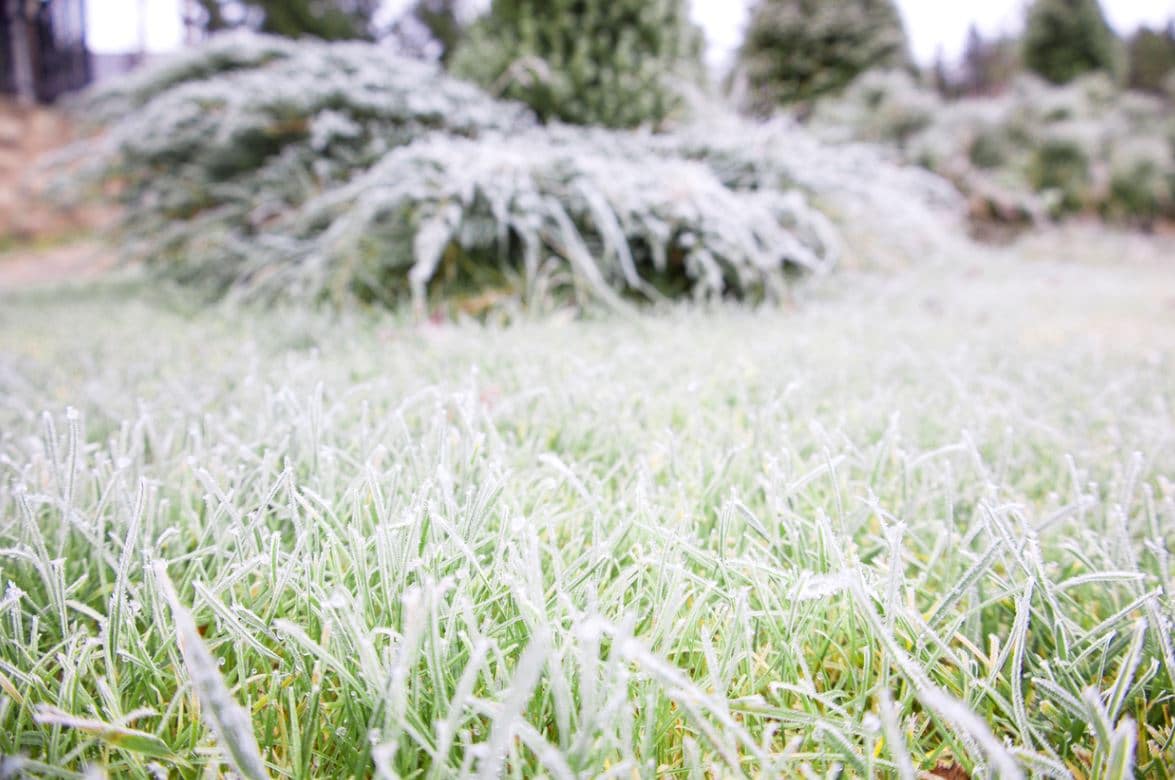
504 395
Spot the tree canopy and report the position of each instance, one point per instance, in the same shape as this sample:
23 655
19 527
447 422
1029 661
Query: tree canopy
335 20
1066 38
797 50
607 62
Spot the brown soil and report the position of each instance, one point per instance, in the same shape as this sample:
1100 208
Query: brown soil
81 259
42 240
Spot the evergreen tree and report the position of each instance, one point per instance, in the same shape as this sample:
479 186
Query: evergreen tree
797 50
1152 58
330 19
1066 38
608 62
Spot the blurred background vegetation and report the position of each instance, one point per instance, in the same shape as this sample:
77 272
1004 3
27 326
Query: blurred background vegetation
793 50
1064 120
1103 148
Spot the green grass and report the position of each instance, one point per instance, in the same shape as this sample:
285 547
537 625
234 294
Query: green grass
904 522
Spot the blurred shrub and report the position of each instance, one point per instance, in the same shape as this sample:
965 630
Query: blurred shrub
1064 39
1142 183
989 149
261 166
222 140
898 106
797 50
604 62
1086 146
1060 170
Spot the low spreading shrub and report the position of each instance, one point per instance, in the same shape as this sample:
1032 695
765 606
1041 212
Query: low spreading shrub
256 125
496 211
315 170
1049 149
898 107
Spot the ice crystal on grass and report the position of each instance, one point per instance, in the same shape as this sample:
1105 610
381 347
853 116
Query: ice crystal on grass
228 720
863 532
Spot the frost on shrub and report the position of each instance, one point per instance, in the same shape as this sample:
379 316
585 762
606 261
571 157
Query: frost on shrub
327 170
886 211
1037 149
352 101
222 54
597 208
898 107
227 137
1142 183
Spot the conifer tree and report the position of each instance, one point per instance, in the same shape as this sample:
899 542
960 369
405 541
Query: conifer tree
607 62
330 20
1066 38
798 50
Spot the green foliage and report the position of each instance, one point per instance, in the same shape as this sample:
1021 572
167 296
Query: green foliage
988 149
616 63
1060 168
1066 38
797 50
1152 59
331 20
1142 185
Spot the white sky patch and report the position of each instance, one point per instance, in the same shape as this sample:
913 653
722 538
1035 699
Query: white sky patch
121 25
933 25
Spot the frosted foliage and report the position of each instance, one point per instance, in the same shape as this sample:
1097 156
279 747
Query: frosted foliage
885 211
315 170
330 107
1011 141
221 54
613 214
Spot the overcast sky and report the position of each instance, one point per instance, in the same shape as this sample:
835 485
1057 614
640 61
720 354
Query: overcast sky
116 25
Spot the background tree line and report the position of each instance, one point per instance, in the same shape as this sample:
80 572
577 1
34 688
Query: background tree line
623 62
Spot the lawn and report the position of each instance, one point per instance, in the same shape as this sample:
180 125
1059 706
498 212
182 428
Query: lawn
902 522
